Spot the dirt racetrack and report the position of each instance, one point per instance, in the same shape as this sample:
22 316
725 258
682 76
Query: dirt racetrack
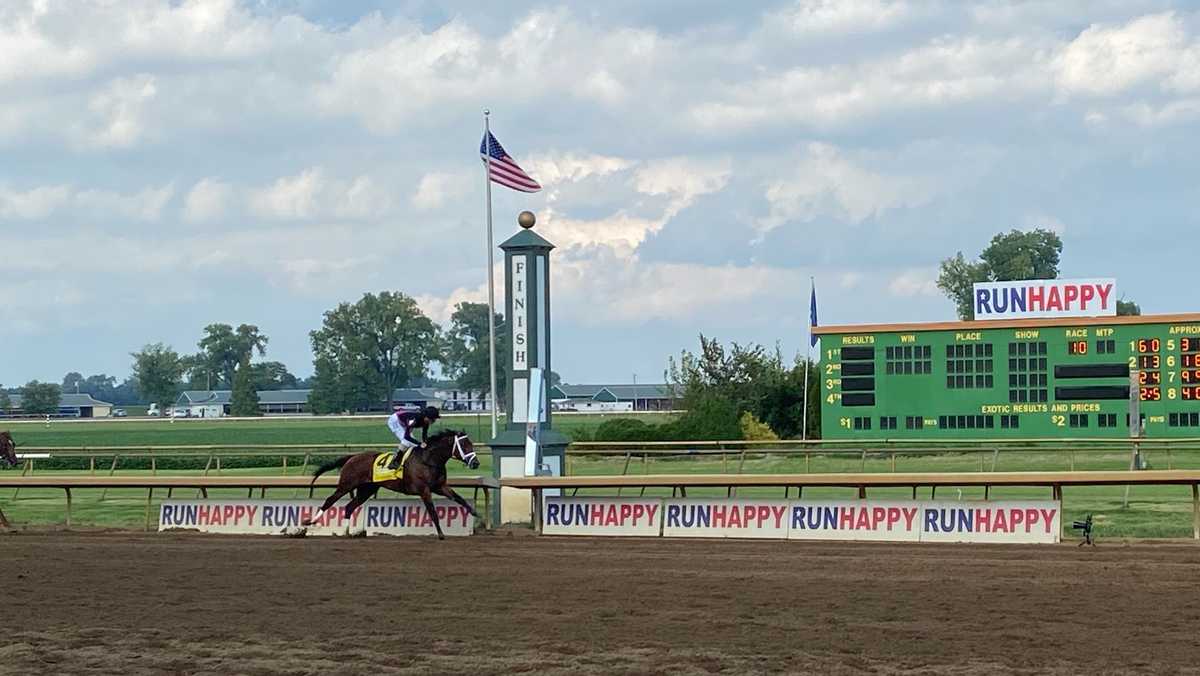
182 603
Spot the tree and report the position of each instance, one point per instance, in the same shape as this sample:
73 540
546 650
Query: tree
244 400
367 349
5 401
1010 256
1127 308
72 382
158 371
718 385
40 398
465 355
272 375
222 348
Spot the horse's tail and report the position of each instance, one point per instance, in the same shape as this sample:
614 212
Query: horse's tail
332 464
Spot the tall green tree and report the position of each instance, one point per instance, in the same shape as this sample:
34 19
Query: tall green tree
222 348
272 375
158 372
5 401
244 399
1014 255
465 355
73 382
369 348
40 398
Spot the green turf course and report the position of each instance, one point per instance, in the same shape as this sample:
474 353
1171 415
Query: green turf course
1154 511
300 430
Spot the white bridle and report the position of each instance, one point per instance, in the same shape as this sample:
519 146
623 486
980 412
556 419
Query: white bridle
458 450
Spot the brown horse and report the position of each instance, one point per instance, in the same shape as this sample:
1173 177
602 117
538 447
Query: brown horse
8 449
424 475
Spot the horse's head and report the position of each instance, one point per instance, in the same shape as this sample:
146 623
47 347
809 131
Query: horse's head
8 448
464 450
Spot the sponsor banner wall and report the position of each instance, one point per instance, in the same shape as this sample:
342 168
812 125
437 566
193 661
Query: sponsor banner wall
737 518
275 517
602 516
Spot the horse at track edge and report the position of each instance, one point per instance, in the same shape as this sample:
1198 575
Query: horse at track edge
424 474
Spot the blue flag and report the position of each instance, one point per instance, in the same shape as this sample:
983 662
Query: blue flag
812 314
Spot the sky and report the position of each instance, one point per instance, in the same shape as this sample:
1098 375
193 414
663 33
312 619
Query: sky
166 165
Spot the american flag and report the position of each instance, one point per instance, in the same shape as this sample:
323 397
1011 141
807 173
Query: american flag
502 169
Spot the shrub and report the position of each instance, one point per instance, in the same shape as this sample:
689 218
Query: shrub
754 429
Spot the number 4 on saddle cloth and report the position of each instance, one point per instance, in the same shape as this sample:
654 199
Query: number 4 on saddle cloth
380 471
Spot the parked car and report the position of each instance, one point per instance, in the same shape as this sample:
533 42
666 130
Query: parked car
119 413
153 410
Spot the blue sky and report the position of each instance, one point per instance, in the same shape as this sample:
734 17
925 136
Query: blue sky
171 164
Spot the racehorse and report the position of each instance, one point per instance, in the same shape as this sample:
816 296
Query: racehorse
424 474
8 449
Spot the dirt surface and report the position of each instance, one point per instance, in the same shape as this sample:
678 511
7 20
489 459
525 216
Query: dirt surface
183 603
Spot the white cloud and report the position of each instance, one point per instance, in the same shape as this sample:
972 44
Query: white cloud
146 205
438 189
311 194
118 113
1104 60
207 201
825 183
35 203
914 282
825 17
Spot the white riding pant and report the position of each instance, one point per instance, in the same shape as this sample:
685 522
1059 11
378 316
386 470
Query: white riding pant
398 429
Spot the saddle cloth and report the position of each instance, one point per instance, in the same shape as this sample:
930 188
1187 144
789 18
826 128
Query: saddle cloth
380 471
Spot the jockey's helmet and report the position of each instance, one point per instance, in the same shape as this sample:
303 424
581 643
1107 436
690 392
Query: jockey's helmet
432 413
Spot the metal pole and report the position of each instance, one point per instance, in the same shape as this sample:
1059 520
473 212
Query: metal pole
807 366
487 180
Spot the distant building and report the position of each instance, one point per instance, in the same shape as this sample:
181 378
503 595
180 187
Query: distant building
69 406
216 403
640 397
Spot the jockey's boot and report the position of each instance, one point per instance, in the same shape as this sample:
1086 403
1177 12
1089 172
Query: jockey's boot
396 457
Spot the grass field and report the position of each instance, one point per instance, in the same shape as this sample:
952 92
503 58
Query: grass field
300 430
1159 511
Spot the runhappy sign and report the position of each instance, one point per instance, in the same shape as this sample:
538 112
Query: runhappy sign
1046 298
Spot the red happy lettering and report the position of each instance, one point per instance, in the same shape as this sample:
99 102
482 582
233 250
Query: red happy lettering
893 516
864 519
846 518
777 513
1031 517
1048 518
718 516
1088 292
1054 299
1070 293
1036 297
1104 291
983 520
910 513
1016 517
735 517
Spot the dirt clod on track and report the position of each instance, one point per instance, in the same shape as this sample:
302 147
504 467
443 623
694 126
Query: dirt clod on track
184 603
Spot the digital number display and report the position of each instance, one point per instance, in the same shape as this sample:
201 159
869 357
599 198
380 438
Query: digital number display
1077 347
1150 378
1189 344
1190 377
1150 393
1148 361
1191 361
1192 393
1146 345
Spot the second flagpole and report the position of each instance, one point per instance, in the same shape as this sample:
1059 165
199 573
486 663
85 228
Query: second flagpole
487 180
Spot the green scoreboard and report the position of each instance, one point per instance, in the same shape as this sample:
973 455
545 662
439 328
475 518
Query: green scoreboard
1027 378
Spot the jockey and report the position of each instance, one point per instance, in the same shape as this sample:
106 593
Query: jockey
404 423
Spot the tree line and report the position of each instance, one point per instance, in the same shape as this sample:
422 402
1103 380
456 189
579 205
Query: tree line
362 352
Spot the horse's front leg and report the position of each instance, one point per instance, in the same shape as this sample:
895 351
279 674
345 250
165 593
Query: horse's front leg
427 498
449 492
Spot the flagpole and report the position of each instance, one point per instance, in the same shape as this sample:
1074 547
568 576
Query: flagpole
487 180
807 366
